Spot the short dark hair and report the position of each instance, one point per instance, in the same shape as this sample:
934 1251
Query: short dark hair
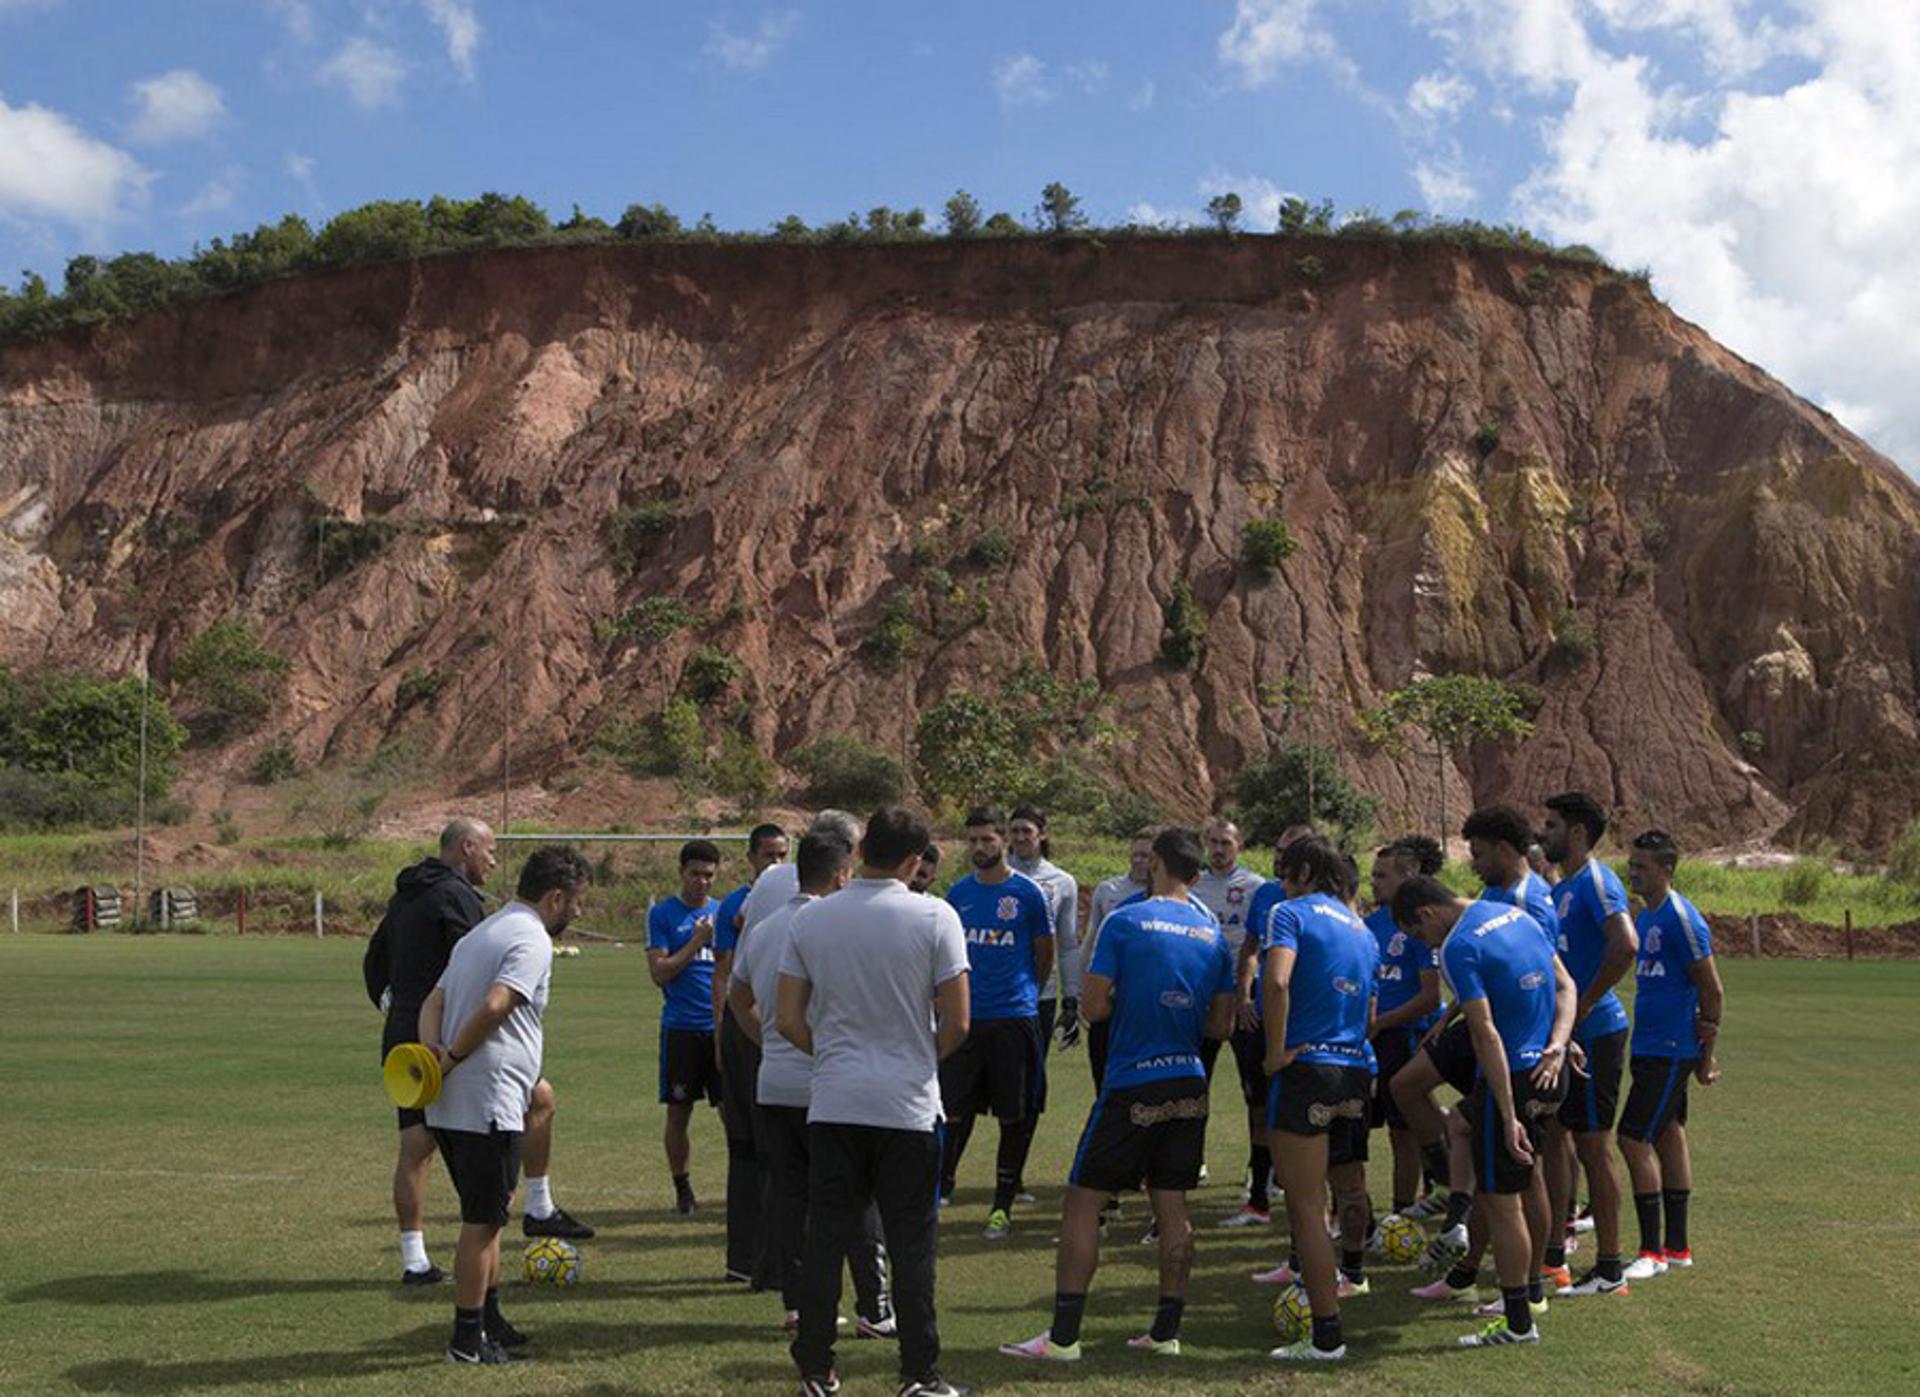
699 851
894 833
1349 876
1181 851
1030 812
761 834
821 856
1417 892
549 867
931 854
1419 853
1500 823
1579 808
986 815
1316 861
1664 848
1294 833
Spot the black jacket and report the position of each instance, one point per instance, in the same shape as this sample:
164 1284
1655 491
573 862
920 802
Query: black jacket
433 906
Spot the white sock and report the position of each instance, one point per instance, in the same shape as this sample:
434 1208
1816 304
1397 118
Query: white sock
413 1251
539 1197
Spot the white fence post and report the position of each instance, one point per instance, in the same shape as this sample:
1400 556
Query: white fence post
13 909
319 915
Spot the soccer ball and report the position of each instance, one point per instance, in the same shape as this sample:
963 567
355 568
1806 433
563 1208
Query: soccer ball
551 1261
1400 1239
1292 1314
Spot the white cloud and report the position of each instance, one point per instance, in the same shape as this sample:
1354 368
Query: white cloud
217 195
1438 96
1089 76
175 106
297 16
1021 81
1266 35
461 28
1779 216
368 72
1259 198
1153 216
1444 186
751 52
1143 96
50 168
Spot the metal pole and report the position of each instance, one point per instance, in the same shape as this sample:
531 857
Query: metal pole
1753 928
1849 924
607 838
13 908
243 912
319 915
140 815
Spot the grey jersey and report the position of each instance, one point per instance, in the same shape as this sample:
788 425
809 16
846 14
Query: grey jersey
1063 893
1229 896
1108 894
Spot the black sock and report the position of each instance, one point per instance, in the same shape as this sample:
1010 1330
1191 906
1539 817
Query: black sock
1402 1205
469 1328
1293 1264
1646 1206
1434 1157
1607 1267
1260 1163
490 1310
1068 1310
1536 1289
1462 1275
1676 1200
1326 1332
1557 1254
1016 1139
1353 1264
1166 1319
1519 1317
682 1184
1459 1203
1573 1211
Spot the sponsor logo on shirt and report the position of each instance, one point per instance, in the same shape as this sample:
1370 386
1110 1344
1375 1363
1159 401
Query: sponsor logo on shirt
1009 909
1342 985
1236 893
988 936
1653 941
1398 945
1390 972
1533 979
1176 999
1652 969
1166 1060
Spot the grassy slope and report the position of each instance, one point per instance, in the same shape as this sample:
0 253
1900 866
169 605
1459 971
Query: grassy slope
198 1122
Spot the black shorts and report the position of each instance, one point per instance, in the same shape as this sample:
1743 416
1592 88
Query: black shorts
739 1077
1321 1098
1452 1056
687 1069
485 1170
1594 1100
1250 1055
1155 1133
401 1026
1037 1098
1097 1038
1495 1170
992 1071
1657 1098
1393 1049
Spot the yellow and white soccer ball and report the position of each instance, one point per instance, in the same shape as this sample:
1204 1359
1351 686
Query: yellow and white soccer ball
1292 1314
1401 1239
551 1261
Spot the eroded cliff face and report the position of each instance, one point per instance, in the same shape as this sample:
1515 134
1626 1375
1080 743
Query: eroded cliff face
827 425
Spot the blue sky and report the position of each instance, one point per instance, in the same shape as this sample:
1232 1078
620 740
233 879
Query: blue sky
1753 153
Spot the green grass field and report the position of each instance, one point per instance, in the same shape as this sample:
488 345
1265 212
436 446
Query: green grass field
198 1157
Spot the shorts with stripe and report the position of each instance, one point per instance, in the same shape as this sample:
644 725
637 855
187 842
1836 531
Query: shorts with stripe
1593 1100
1323 1098
688 1070
1495 1170
1153 1134
1657 1098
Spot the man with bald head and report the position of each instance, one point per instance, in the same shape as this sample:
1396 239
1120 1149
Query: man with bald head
436 902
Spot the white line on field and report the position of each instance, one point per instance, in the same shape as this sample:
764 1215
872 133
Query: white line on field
148 1173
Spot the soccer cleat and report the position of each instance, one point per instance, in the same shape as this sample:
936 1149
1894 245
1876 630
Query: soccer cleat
1445 1249
1024 1198
1248 1216
1681 1260
935 1386
999 1224
821 1386
1553 1277
1283 1274
432 1275
1351 1289
504 1334
486 1351
1496 1333
684 1202
864 1328
1305 1352
1582 1223
1152 1237
1432 1206
1163 1348
733 1277
1593 1283
1646 1266
1203 1171
1496 1308
1042 1349
1440 1290
558 1223
792 1322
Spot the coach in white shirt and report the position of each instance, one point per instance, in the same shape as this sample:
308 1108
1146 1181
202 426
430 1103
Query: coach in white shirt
873 985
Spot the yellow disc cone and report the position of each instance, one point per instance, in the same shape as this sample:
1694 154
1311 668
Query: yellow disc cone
412 1076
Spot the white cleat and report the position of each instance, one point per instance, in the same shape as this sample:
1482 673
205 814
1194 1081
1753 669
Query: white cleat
1305 1352
1645 1267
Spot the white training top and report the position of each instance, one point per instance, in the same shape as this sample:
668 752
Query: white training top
777 885
490 1089
1228 896
786 1073
1064 893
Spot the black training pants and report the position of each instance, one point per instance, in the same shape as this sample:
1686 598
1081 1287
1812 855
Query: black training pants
749 1174
785 1131
852 1167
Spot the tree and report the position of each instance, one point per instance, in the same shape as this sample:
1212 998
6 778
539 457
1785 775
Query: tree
962 215
965 748
1184 628
383 230
792 229
90 727
1451 709
230 675
1224 210
847 772
1002 225
1266 544
1299 216
1059 210
647 221
1300 784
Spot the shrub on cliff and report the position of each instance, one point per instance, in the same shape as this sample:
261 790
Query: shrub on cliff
848 773
229 676
1267 543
